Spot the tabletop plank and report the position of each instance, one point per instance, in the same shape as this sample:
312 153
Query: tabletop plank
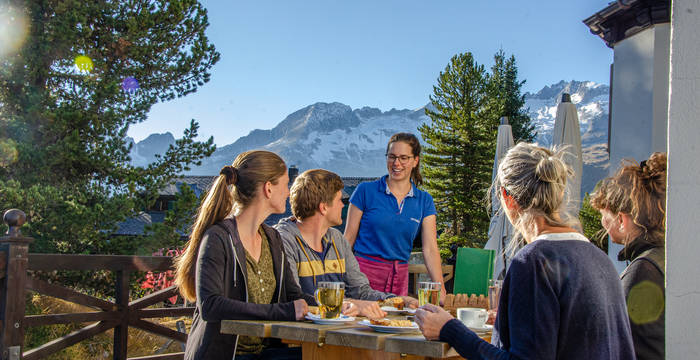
259 328
361 337
305 331
418 345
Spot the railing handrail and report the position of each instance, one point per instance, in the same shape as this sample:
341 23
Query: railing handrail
50 262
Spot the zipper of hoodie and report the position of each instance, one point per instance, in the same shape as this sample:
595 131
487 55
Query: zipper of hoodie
235 283
281 279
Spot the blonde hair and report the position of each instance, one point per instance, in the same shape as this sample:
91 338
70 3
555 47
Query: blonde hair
249 170
640 191
536 178
312 188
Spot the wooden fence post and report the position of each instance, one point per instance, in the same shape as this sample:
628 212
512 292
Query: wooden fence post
14 248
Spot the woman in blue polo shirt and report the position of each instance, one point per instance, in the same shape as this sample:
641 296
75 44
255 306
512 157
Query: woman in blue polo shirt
386 215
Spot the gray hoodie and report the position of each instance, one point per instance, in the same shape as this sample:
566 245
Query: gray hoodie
336 263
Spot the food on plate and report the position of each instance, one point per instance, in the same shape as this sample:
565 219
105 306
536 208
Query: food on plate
393 323
396 302
313 310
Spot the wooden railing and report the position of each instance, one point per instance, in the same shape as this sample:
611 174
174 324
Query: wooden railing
119 314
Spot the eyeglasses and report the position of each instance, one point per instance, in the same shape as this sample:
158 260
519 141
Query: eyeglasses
403 159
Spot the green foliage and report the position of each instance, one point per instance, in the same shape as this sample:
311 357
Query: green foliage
592 227
465 112
63 131
169 234
507 99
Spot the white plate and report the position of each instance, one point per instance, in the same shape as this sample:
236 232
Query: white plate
486 327
394 311
318 320
391 329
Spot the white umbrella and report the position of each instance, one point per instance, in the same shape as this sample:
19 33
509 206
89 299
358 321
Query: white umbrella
567 132
500 229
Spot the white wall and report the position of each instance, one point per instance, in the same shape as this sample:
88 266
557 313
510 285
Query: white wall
639 107
683 192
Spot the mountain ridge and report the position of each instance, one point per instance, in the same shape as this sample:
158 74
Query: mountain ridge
352 142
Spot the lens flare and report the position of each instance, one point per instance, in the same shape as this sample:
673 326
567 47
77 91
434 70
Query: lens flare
83 63
130 85
645 302
15 28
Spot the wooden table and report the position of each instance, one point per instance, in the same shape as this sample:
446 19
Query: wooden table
344 341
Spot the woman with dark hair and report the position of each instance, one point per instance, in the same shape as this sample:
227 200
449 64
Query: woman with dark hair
234 266
386 215
633 208
561 298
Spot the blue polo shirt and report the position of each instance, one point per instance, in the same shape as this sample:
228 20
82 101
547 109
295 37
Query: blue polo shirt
387 228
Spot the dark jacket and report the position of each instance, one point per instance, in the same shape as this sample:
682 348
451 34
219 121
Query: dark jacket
560 300
645 276
222 291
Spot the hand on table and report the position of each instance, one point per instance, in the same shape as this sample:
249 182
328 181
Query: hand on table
431 319
349 309
366 308
410 302
300 309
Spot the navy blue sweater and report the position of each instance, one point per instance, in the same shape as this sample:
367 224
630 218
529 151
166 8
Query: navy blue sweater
561 299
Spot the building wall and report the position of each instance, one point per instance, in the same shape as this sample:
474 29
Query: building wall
639 105
683 195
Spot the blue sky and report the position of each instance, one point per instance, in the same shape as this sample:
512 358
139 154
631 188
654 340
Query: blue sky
280 56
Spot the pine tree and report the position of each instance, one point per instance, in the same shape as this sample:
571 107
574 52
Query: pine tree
86 72
507 99
465 111
457 163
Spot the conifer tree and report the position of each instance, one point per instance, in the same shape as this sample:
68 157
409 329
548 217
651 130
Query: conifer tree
85 72
507 99
465 111
457 161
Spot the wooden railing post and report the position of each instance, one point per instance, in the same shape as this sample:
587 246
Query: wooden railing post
12 294
121 331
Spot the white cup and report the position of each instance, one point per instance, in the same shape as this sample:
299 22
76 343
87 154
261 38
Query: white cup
472 317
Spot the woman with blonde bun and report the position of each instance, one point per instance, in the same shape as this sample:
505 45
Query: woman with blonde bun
633 208
561 298
234 265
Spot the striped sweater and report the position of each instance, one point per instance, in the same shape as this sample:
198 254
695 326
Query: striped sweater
335 263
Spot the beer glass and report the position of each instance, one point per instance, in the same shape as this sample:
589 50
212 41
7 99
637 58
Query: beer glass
429 293
329 296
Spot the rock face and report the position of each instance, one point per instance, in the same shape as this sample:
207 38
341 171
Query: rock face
352 142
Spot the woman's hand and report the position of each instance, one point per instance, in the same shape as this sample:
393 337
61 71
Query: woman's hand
431 319
300 309
368 308
410 302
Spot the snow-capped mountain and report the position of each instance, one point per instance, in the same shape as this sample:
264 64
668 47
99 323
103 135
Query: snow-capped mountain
352 142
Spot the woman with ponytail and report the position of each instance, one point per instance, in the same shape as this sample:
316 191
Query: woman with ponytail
561 298
234 265
385 216
633 208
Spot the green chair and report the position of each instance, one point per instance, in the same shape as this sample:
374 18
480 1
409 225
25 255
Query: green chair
473 270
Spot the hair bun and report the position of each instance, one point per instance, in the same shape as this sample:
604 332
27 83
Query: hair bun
655 166
231 174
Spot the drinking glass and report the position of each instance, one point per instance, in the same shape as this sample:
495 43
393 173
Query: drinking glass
329 296
494 293
429 293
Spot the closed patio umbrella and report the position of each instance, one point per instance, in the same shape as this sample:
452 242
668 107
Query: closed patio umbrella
500 229
567 132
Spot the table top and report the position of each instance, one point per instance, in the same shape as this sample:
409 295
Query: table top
347 334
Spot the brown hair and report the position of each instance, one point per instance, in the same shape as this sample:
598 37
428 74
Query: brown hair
536 178
640 191
413 142
249 170
312 188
